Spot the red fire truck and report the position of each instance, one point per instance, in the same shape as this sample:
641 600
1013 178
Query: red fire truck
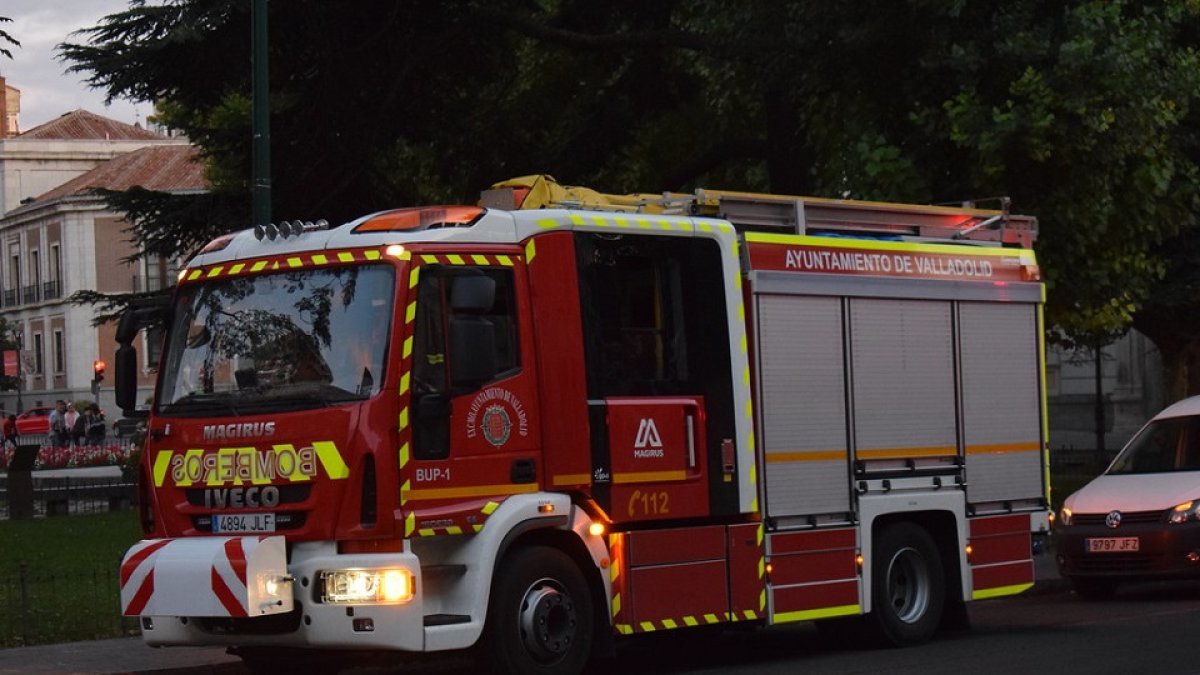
561 417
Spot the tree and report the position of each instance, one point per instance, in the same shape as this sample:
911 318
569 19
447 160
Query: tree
1080 110
5 38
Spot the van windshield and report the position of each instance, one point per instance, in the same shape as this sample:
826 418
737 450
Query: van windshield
275 342
1171 444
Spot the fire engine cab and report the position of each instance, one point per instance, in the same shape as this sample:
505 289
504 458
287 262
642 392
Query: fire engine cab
561 417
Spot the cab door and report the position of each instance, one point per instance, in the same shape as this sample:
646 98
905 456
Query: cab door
473 438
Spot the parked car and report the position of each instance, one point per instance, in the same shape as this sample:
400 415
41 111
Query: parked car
35 421
1140 519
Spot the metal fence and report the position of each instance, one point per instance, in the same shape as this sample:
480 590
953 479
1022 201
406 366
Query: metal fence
64 496
44 606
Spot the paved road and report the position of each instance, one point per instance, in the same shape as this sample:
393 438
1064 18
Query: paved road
1147 629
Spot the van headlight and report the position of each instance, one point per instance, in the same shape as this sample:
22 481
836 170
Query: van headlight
1064 516
366 587
1185 513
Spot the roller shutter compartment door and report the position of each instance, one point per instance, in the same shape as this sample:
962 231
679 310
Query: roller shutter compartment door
802 374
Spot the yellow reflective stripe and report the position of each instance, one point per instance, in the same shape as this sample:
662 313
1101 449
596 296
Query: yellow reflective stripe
402 420
490 508
1000 591
505 260
331 460
410 312
404 456
530 251
295 262
902 453
320 259
616 604
261 264
372 255
874 244
814 456
480 260
547 223
572 478
648 476
410 523
195 275
812 614
408 346
162 462
413 277
346 256
236 269
1002 448
455 259
404 380
476 491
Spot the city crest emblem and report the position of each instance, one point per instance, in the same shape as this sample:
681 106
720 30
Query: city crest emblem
496 426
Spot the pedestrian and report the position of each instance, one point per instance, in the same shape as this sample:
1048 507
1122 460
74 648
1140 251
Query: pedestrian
93 426
10 432
59 431
74 423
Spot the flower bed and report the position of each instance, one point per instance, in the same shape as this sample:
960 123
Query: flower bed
109 453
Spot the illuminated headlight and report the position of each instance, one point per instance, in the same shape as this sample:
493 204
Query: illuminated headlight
367 587
1185 513
1064 516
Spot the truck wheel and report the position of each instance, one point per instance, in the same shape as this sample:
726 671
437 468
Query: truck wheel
907 586
1094 589
540 617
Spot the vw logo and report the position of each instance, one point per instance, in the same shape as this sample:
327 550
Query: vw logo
1113 519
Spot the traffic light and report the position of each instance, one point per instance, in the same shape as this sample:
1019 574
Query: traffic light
98 370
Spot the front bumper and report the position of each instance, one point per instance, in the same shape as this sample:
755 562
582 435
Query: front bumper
309 623
1164 552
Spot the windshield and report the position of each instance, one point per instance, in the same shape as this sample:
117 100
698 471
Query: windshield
1171 444
286 341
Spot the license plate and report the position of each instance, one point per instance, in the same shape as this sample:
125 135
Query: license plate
243 522
1112 545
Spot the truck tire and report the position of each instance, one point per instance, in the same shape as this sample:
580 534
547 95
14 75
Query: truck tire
540 618
908 591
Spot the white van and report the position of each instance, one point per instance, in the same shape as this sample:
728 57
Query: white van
1140 519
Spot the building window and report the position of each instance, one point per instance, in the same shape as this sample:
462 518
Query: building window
39 354
60 364
52 288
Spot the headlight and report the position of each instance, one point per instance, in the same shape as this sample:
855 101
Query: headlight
1064 516
1185 513
367 587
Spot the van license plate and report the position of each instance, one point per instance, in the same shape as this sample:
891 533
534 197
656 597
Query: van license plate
1112 545
229 523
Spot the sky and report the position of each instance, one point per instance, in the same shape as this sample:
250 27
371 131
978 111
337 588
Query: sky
47 91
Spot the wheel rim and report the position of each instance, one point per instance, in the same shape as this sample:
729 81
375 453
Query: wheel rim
908 585
548 620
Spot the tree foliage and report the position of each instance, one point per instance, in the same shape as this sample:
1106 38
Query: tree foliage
5 38
1082 111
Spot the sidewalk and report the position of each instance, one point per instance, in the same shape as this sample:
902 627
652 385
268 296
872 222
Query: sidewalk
131 655
123 655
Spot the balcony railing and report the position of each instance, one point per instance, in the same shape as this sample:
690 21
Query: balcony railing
10 298
29 294
51 290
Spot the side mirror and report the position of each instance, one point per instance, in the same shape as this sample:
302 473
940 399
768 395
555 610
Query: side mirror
125 376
